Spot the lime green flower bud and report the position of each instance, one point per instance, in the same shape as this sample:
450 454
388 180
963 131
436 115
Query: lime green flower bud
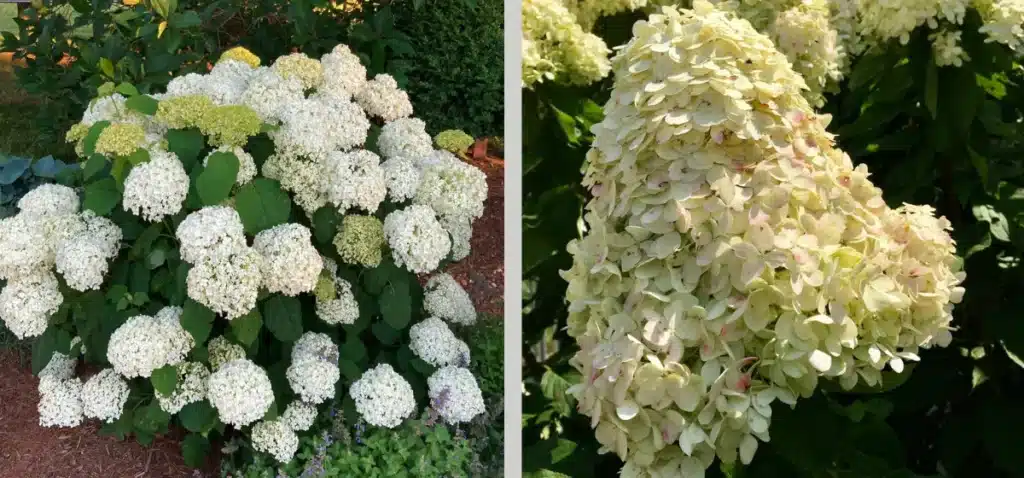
230 125
360 240
120 139
454 140
183 111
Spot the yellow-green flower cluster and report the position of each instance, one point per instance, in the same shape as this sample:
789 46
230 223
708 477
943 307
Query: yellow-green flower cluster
804 34
298 65
241 54
230 125
733 255
120 139
77 132
183 111
557 48
453 140
360 240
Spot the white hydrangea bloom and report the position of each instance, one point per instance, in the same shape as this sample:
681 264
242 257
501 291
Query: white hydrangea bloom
299 416
50 199
227 282
557 48
883 21
187 85
455 395
27 303
190 386
313 380
212 228
157 188
1004 22
417 239
355 180
25 246
319 125
804 34
461 232
104 231
344 74
60 366
453 189
402 178
946 48
104 396
339 306
268 94
300 66
83 262
60 402
240 391
109 108
405 137
445 298
227 81
383 397
382 98
301 175
291 265
143 343
246 164
276 438
432 341
315 346
221 352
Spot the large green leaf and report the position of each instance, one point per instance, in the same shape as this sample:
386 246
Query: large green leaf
194 449
186 144
283 317
247 327
101 196
143 104
199 417
164 379
215 182
89 142
197 319
396 305
262 204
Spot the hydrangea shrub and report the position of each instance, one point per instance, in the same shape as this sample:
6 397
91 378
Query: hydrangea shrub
242 248
733 256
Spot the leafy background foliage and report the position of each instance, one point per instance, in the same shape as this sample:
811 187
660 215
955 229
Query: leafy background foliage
948 137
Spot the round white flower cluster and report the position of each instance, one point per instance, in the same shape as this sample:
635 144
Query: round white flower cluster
445 298
335 301
405 138
557 48
383 397
240 391
221 352
157 188
344 74
805 35
208 231
276 438
884 21
27 303
49 199
461 232
83 259
1004 21
104 396
226 273
455 395
432 341
60 366
734 256
144 343
382 98
268 93
314 369
417 239
60 401
402 178
355 180
291 265
453 189
318 125
299 416
190 387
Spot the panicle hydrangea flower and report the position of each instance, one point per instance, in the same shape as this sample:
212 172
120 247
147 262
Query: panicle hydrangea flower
556 47
360 240
208 230
319 125
445 298
382 98
335 302
268 93
453 189
462 400
276 438
246 164
240 391
402 178
301 175
104 396
432 341
145 343
27 303
291 265
383 397
60 402
120 139
404 137
726 224
241 54
182 112
588 11
883 21
157 188
461 232
189 388
804 34
50 199
454 141
344 74
230 125
946 48
355 180
299 416
227 81
307 70
227 282
221 352
417 239
1004 22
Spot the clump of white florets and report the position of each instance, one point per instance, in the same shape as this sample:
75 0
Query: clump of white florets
557 48
335 301
453 189
461 232
383 397
104 396
405 138
227 282
344 74
355 180
83 259
221 352
745 233
209 230
432 341
157 188
402 178
145 343
276 438
314 369
445 298
27 303
60 402
268 93
291 265
50 199
382 98
417 239
455 395
190 387
240 391
299 416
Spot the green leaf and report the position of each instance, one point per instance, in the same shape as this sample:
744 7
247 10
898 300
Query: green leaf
386 334
156 258
164 379
350 370
396 305
194 449
197 319
198 417
93 166
127 89
283 317
101 196
325 224
107 67
247 327
164 7
89 141
374 280
262 204
215 182
186 144
144 104
353 349
151 418
119 171
140 156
